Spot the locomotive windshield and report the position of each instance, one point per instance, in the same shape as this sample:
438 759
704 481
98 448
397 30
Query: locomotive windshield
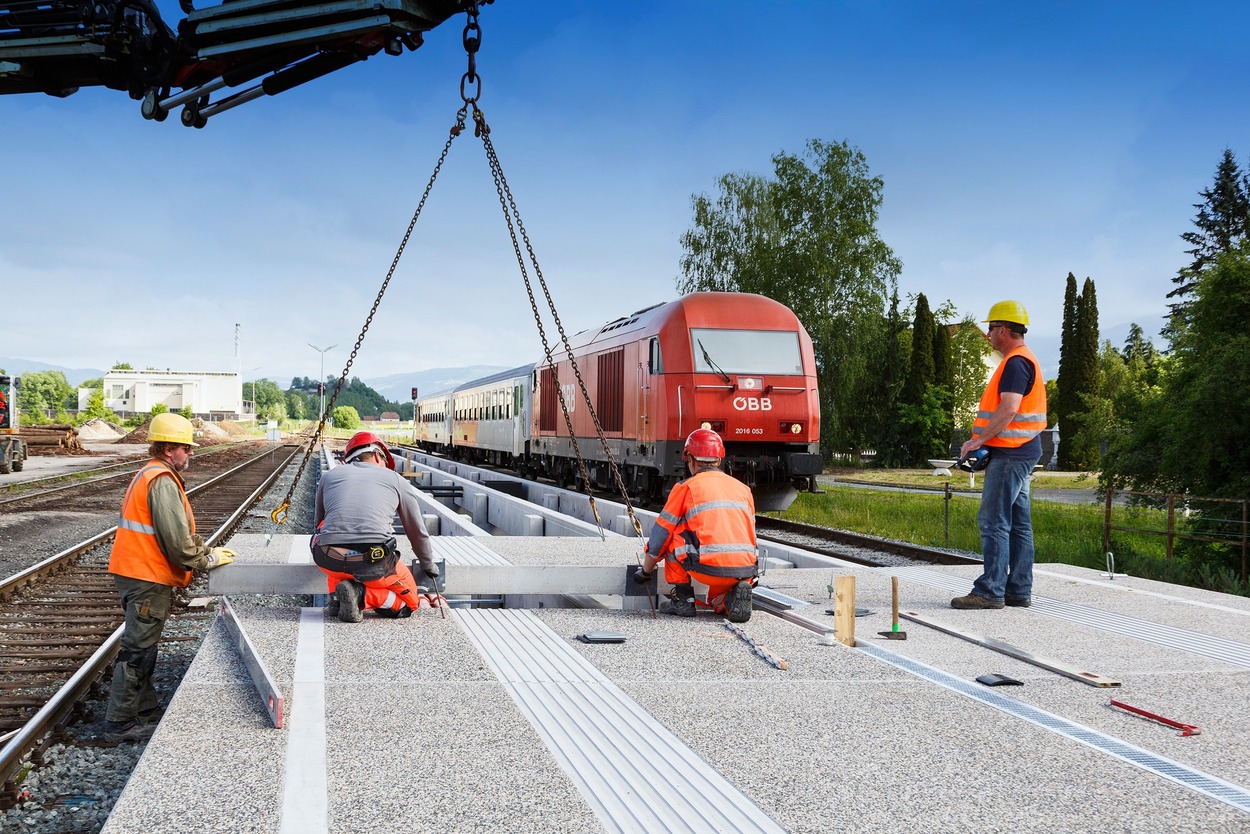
746 351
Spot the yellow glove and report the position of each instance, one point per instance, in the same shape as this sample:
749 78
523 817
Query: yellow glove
219 556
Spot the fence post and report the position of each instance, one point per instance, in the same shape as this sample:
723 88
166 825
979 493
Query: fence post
1171 522
1245 521
1106 525
946 527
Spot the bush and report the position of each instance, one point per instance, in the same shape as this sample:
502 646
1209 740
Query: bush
346 417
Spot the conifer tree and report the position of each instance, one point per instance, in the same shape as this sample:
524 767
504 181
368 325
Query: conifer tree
1222 222
885 436
1085 390
1066 382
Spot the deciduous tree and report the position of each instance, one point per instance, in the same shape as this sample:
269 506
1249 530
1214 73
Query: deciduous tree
806 237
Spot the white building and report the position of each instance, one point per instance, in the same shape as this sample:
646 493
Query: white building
209 394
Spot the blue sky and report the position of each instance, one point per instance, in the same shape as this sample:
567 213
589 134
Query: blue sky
1018 142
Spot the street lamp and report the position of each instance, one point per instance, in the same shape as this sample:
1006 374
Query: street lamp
254 370
321 380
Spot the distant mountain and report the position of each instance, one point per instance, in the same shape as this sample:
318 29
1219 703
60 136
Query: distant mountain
74 376
398 387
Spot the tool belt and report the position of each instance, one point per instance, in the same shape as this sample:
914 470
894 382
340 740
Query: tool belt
363 561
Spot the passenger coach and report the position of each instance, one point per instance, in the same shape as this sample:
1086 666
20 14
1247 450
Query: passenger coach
740 364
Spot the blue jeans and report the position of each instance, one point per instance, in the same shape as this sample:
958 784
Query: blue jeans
1006 530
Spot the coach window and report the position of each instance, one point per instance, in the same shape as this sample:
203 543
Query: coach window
656 362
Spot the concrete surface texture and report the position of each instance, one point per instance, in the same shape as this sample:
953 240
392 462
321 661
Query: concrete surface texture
422 732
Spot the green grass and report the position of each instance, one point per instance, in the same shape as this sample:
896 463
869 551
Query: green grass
1063 533
925 479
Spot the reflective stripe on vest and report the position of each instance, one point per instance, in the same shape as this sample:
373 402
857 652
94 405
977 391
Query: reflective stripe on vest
1031 418
136 552
717 529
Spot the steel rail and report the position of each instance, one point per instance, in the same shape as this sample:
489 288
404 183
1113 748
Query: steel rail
80 478
848 539
62 702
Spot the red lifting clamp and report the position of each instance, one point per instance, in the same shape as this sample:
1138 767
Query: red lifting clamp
1186 729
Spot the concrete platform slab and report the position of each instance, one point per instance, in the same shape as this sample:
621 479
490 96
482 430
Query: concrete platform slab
421 733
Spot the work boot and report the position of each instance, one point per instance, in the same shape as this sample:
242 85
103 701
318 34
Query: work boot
738 603
680 603
401 613
972 602
332 607
115 732
350 597
1018 602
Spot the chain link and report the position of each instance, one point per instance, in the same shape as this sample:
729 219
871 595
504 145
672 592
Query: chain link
472 39
279 514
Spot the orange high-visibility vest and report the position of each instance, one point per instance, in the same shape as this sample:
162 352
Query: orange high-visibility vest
1031 418
710 519
136 552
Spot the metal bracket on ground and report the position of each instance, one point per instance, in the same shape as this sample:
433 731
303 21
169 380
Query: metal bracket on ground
261 679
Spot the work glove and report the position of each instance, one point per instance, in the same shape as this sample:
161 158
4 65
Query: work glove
641 576
219 556
431 571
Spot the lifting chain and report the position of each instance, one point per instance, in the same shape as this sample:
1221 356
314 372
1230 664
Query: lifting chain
470 91
279 514
510 211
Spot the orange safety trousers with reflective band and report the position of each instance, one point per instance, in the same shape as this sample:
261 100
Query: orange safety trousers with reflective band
710 521
136 552
1031 417
390 592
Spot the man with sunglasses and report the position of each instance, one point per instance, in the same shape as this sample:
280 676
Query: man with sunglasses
1010 418
155 550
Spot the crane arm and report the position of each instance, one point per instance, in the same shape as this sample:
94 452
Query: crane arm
217 58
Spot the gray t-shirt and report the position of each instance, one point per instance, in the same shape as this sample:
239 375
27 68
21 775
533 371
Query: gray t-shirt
358 502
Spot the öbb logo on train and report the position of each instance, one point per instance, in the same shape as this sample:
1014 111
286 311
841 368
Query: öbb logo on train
753 404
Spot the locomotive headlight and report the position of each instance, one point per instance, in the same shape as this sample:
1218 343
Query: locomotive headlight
792 428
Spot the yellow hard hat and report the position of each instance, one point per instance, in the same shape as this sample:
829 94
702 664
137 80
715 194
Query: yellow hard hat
1012 311
171 428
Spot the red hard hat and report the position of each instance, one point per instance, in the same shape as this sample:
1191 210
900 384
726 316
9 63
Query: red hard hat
705 444
361 442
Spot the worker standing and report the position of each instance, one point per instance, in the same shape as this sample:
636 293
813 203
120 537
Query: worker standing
1010 418
155 550
706 537
354 544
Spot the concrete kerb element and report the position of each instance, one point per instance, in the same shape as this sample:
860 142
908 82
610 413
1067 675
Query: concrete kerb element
459 580
507 513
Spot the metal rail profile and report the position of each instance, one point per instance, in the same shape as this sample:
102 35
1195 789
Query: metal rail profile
270 693
621 759
1057 666
1204 645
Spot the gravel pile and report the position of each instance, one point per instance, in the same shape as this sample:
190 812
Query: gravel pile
74 791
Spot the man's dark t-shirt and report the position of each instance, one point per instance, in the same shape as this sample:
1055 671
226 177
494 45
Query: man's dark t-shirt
1018 378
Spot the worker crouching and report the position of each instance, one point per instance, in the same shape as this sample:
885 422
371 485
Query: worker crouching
706 537
354 516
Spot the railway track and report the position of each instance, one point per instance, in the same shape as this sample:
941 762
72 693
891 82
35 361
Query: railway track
855 547
60 622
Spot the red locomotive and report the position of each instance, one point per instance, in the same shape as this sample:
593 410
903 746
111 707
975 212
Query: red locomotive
737 363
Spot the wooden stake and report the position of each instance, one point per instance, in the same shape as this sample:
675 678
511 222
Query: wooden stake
844 610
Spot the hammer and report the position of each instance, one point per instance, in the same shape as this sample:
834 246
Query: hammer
894 633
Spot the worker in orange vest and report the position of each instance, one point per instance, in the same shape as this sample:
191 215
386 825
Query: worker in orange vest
354 545
1010 418
155 550
706 537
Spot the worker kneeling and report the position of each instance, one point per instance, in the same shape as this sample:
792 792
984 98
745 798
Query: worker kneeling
354 515
706 537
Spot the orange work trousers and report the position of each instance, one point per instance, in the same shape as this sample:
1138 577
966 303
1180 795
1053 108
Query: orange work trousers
390 592
709 591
